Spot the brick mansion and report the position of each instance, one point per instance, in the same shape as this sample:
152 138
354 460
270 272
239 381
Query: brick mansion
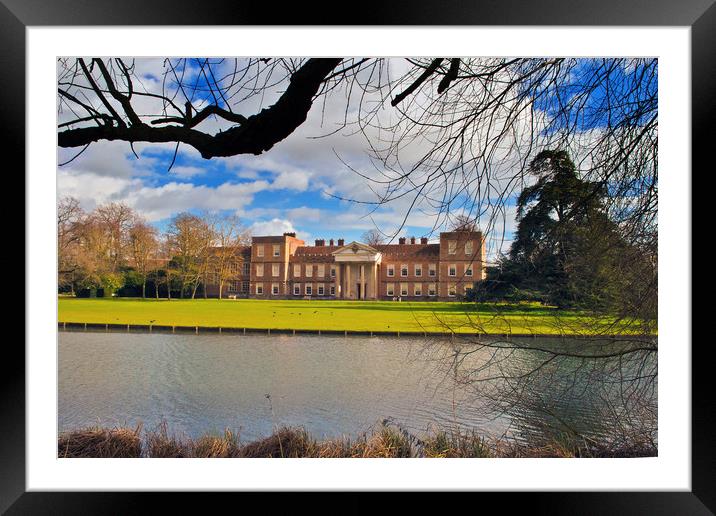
284 267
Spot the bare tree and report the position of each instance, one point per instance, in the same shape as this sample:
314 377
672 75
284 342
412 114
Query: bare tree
189 237
231 238
70 217
114 221
373 237
462 222
143 248
100 93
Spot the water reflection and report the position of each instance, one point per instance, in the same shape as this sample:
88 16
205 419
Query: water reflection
345 385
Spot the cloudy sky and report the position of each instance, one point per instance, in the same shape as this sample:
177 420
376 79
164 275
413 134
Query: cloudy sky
295 186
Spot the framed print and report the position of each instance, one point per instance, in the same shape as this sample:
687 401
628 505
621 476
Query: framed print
295 287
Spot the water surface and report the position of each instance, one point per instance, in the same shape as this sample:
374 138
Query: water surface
330 385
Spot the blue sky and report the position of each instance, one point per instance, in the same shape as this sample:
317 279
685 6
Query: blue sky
292 187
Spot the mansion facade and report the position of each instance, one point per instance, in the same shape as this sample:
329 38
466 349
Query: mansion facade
284 267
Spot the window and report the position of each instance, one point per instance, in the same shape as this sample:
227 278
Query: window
244 287
467 288
431 289
274 269
259 289
333 290
452 246
390 289
452 270
468 270
259 251
468 247
451 289
309 271
247 268
276 250
333 273
309 290
259 269
404 270
297 270
321 289
321 271
431 270
232 286
418 270
233 268
403 289
391 270
418 289
296 289
274 289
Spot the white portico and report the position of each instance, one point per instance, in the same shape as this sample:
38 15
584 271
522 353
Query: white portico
357 271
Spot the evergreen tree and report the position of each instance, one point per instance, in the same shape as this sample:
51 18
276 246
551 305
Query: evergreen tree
567 252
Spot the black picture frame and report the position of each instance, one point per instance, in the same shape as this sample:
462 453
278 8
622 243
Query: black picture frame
699 15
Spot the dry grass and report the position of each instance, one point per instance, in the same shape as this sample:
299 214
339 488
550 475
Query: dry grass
159 443
285 442
100 443
215 446
455 445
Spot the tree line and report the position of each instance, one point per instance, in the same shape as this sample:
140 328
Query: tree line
114 250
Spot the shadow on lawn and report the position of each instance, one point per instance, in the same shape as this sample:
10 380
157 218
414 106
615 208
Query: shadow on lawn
452 308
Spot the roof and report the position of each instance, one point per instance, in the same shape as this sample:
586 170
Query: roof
324 254
409 251
314 254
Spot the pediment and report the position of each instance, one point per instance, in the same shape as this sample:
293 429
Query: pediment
357 252
356 248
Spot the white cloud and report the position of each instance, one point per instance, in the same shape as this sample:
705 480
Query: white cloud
305 213
272 227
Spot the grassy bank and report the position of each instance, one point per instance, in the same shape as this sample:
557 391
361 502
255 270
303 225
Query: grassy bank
340 315
385 442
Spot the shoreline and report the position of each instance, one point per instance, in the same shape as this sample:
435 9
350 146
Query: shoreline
82 327
385 441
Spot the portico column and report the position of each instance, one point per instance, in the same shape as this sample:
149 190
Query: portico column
375 281
337 280
348 280
362 282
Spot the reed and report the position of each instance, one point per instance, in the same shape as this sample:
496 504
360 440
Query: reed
384 441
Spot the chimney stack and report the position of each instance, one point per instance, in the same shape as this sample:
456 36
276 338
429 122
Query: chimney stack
320 243
340 242
424 240
412 240
290 234
401 241
331 242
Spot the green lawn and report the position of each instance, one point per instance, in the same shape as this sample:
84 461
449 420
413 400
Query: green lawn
335 315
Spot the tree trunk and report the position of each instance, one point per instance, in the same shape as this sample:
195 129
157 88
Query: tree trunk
221 287
144 288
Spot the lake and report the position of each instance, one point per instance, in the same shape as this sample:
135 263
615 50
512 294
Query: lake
336 386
